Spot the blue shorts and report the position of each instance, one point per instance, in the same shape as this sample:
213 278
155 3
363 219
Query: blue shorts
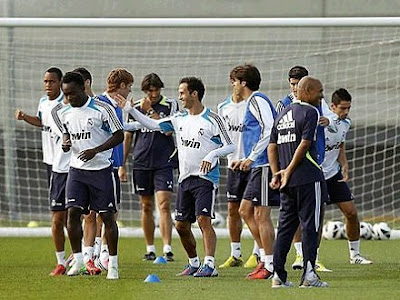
91 190
196 197
236 185
258 190
145 182
338 191
57 191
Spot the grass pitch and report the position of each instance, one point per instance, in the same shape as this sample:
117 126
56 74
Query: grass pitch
26 262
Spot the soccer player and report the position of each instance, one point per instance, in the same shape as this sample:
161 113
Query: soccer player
233 110
293 161
336 168
54 97
201 139
91 130
258 198
153 164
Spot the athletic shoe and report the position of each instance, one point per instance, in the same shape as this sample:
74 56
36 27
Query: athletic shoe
113 273
298 262
320 267
91 268
149 256
277 283
59 270
315 281
259 266
70 260
252 261
101 264
206 271
232 262
188 271
359 260
261 274
76 269
169 256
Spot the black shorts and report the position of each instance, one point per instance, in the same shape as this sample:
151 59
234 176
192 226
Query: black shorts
258 190
196 197
338 191
57 191
117 186
146 182
91 190
236 185
48 173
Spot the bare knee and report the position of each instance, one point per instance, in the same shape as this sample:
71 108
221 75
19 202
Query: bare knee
147 204
204 222
183 227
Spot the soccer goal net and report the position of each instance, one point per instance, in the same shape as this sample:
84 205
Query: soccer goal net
365 59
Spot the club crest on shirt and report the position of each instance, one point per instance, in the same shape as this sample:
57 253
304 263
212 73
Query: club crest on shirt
90 122
201 131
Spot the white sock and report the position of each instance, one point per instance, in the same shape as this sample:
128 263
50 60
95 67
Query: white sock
269 262
256 249
151 248
309 272
299 248
87 254
97 246
354 248
78 257
194 261
166 249
60 258
236 250
113 261
209 260
104 252
262 255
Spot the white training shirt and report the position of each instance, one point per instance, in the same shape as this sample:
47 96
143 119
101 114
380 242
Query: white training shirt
333 140
233 114
90 126
44 114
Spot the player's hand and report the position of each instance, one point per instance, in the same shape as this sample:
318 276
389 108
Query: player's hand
87 154
345 173
323 121
19 114
122 174
235 164
145 105
245 165
205 167
275 182
123 102
66 145
284 177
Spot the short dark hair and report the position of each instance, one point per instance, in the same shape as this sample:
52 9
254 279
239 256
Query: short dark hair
248 73
55 70
194 84
340 95
84 73
73 77
297 72
151 80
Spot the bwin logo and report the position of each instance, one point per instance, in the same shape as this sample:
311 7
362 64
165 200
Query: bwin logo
286 122
84 135
235 128
190 143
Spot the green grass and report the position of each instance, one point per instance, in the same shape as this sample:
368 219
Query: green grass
26 262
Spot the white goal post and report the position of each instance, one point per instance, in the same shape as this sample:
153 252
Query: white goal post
359 54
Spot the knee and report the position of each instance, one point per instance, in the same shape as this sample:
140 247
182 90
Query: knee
90 218
147 205
244 212
58 221
233 212
74 217
204 222
351 215
182 227
108 219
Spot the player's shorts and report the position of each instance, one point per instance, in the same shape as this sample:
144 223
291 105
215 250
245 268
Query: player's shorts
57 191
91 190
258 190
338 191
117 186
146 182
196 197
236 185
49 169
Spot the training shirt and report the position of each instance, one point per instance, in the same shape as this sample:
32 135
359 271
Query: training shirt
296 122
90 126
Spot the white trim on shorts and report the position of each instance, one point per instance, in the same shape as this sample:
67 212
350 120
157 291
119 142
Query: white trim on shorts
317 213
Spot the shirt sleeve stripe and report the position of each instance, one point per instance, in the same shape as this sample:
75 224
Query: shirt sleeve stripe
111 114
221 126
55 116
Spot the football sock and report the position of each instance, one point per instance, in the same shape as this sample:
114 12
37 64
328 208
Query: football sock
354 248
268 264
299 248
151 248
209 260
87 253
256 249
262 255
194 261
60 258
236 250
166 249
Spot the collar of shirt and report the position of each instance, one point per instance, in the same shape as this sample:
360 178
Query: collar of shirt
114 103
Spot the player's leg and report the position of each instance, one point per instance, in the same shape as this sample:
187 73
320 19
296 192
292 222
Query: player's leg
89 235
298 262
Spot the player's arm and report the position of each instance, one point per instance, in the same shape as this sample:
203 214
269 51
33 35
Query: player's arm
33 120
128 137
327 118
344 165
279 107
273 159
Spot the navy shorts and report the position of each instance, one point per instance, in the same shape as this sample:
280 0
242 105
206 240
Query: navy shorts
48 173
57 191
196 197
91 190
338 191
236 185
117 186
145 182
258 190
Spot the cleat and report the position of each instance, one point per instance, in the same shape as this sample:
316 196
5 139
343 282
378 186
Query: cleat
298 262
169 256
59 270
359 260
188 271
101 264
206 271
259 266
252 261
91 269
113 273
278 283
76 269
319 267
232 262
70 260
261 274
314 282
149 256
